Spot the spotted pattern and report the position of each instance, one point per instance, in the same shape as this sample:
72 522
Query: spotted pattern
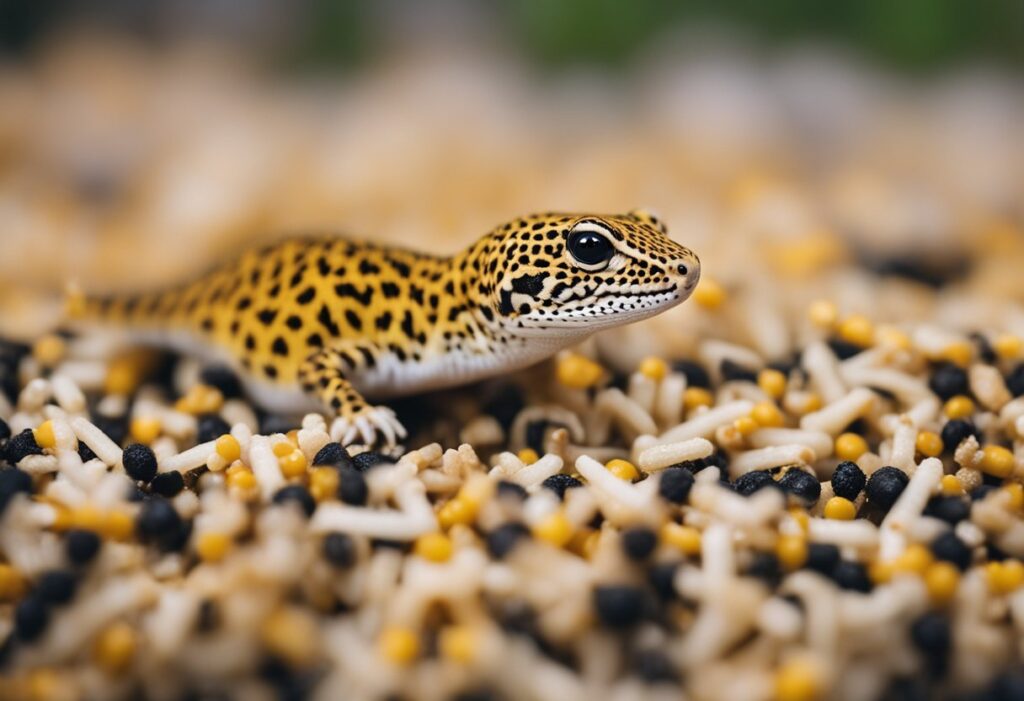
328 315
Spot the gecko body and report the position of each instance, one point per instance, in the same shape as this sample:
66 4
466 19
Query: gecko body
322 323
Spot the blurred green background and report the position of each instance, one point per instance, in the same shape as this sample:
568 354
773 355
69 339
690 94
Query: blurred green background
906 35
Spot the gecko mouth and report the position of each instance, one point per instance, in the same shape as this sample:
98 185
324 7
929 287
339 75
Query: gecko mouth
602 311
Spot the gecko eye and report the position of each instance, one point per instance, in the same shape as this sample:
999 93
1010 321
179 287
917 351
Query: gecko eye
590 248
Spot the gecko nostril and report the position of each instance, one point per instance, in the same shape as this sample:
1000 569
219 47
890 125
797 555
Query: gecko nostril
683 270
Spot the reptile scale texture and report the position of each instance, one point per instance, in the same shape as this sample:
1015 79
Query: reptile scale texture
321 323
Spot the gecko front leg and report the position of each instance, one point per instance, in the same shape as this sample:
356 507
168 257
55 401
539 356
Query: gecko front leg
323 375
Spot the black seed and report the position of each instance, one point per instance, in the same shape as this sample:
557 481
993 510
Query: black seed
5 430
885 486
619 606
21 446
674 484
85 452
168 484
950 548
639 542
932 636
1008 686
223 378
802 485
654 667
950 509
852 576
752 482
352 487
139 462
847 480
30 618
559 483
13 481
298 494
339 549
505 404
364 461
1015 380
502 539
948 380
81 546
333 454
116 427
511 490
158 520
696 375
954 433
662 578
844 350
734 372
765 566
56 587
211 427
822 557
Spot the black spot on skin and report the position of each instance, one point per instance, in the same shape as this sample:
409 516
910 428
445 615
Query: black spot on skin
368 359
207 324
279 347
407 327
506 308
400 267
449 288
306 296
529 284
416 294
267 316
270 371
274 291
324 317
346 289
250 342
389 290
368 268
314 340
383 321
323 266
353 320
293 322
488 313
434 301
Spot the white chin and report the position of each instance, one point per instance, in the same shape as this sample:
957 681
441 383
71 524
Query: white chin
585 320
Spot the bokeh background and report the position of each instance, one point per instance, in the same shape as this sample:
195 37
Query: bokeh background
784 141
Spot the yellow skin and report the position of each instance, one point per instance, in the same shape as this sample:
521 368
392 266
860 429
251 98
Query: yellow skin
316 323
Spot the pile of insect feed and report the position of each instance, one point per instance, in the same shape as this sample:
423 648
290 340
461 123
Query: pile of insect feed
804 482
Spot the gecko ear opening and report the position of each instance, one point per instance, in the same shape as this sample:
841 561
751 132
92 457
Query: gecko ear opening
647 217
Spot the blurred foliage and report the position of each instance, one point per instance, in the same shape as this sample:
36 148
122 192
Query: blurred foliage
903 34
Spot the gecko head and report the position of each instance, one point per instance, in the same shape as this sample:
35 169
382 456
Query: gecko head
557 274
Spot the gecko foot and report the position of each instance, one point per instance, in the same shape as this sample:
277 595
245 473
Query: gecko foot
366 424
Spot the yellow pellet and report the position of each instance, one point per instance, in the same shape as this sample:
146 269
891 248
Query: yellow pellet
850 446
12 584
555 529
117 525
201 399
791 551
578 371
694 397
1004 577
941 579
293 464
928 444
283 448
812 403
212 546
958 352
145 429
881 572
745 425
915 558
44 435
228 448
1016 492
399 645
1008 346
709 294
455 511
49 350
114 648
958 407
654 368
243 480
797 680
767 414
857 329
772 382
435 547
457 643
86 517
997 461
801 517
823 313
685 538
950 485
292 634
893 337
623 469
840 509
528 456
323 483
